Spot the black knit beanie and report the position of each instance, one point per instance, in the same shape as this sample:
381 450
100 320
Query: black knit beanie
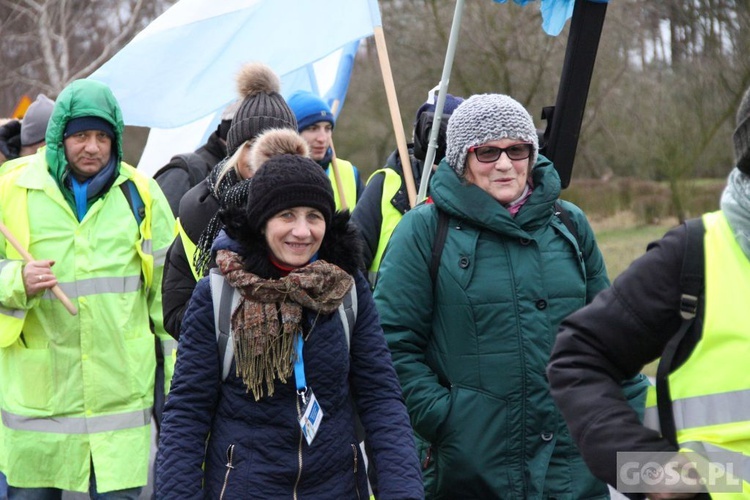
262 106
741 135
288 181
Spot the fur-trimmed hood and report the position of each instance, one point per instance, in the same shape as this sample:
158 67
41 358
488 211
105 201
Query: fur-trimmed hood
341 246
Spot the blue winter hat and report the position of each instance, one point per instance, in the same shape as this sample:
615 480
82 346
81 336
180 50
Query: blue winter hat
309 109
84 123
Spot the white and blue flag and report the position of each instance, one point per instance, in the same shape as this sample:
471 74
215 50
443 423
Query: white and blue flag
178 74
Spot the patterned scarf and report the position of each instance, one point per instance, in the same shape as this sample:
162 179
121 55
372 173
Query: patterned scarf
266 323
231 190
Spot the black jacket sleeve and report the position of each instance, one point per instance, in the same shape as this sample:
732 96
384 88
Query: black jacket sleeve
610 340
177 287
174 181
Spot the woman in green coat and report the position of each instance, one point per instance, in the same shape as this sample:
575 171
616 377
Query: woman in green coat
471 348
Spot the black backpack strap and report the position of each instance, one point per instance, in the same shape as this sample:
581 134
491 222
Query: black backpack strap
564 217
134 200
692 278
437 246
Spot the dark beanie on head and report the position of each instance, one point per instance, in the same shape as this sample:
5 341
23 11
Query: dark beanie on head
741 135
83 123
287 181
262 106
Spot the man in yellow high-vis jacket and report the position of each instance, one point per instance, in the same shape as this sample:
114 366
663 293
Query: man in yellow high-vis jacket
78 391
315 122
692 313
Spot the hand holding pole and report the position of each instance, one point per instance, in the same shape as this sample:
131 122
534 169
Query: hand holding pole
28 258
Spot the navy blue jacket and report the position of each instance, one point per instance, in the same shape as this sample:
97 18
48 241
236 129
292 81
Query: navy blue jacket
269 457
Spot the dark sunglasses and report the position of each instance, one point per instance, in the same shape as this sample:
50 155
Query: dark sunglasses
490 154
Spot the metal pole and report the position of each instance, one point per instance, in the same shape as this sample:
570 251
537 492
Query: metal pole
444 80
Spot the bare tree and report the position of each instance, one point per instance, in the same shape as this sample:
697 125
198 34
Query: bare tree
49 43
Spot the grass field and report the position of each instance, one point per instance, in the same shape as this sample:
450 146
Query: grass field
622 239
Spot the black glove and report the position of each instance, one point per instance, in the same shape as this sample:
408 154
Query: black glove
10 139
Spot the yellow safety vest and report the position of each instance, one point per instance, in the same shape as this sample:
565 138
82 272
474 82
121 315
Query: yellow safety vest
390 215
348 181
189 246
77 389
711 391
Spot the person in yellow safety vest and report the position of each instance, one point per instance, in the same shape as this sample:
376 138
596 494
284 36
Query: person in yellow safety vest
384 200
707 383
315 122
261 108
78 391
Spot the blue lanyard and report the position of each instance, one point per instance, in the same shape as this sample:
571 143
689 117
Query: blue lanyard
299 367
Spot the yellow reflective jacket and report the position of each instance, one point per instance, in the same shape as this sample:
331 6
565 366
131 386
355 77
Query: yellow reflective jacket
77 389
348 181
710 391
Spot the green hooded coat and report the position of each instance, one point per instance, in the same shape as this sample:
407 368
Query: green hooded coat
78 390
471 349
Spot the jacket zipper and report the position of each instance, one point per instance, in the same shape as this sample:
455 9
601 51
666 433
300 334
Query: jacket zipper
356 461
299 453
230 453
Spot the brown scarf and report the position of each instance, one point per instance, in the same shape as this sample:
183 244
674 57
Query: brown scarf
265 349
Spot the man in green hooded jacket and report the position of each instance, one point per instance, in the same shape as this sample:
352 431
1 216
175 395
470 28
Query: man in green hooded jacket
77 390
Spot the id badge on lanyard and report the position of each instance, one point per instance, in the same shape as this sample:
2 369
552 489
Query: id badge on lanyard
311 413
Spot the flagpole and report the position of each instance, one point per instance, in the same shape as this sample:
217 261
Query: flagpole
444 80
335 166
398 128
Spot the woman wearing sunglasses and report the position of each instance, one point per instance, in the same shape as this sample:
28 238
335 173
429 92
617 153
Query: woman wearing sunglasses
471 347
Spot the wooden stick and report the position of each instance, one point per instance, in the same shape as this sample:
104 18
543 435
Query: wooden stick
337 176
398 128
335 166
28 258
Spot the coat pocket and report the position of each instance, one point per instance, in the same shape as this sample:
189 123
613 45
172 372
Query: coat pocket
472 442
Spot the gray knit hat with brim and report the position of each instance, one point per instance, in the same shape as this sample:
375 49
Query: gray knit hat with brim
741 135
483 118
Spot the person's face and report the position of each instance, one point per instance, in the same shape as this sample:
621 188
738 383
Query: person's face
244 169
318 137
87 153
504 179
294 235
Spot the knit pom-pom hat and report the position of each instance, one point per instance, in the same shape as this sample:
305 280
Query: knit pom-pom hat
274 142
262 106
741 135
288 181
487 117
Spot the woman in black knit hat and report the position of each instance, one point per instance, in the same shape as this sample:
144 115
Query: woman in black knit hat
273 417
262 108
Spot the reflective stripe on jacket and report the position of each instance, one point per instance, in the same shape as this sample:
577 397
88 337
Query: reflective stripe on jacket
78 389
710 391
